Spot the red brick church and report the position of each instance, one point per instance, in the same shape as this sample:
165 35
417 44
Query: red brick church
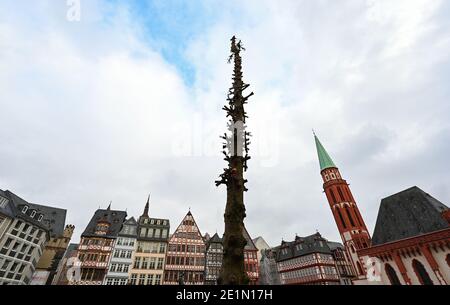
411 241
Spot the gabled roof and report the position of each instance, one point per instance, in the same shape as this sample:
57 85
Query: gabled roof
53 219
215 239
131 222
250 246
190 228
114 218
407 214
325 160
260 243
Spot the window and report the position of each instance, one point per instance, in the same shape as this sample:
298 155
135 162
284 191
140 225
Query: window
392 275
5 264
24 248
421 273
40 217
157 233
119 268
164 233
160 263
3 202
133 279
141 279
25 228
113 268
150 279
145 263
150 232
24 209
7 243
33 213
18 224
162 248
15 246
152 263
158 279
137 263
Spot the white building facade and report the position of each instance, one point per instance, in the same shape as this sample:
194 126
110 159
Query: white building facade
121 260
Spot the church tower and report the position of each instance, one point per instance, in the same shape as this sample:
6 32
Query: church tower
351 226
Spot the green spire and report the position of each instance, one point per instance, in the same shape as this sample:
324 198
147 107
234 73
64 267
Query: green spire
324 157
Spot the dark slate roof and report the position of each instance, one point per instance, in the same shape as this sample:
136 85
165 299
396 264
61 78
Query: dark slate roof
53 218
335 245
407 214
130 222
250 246
310 244
215 239
114 218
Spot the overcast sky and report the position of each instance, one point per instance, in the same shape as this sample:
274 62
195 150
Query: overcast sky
127 101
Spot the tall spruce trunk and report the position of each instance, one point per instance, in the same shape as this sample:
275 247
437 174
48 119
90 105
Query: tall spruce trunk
236 154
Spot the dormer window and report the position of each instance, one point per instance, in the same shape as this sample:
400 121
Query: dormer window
40 217
102 228
33 213
24 209
3 202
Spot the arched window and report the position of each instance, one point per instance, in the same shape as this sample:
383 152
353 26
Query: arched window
360 270
421 273
341 218
349 216
392 275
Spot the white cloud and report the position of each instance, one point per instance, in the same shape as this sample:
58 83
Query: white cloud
91 113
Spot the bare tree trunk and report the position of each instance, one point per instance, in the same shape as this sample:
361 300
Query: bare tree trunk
236 154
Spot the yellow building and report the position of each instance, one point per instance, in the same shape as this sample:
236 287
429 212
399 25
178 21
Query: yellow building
149 257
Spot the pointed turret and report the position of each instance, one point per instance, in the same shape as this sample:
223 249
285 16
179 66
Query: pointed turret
324 158
349 221
147 205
